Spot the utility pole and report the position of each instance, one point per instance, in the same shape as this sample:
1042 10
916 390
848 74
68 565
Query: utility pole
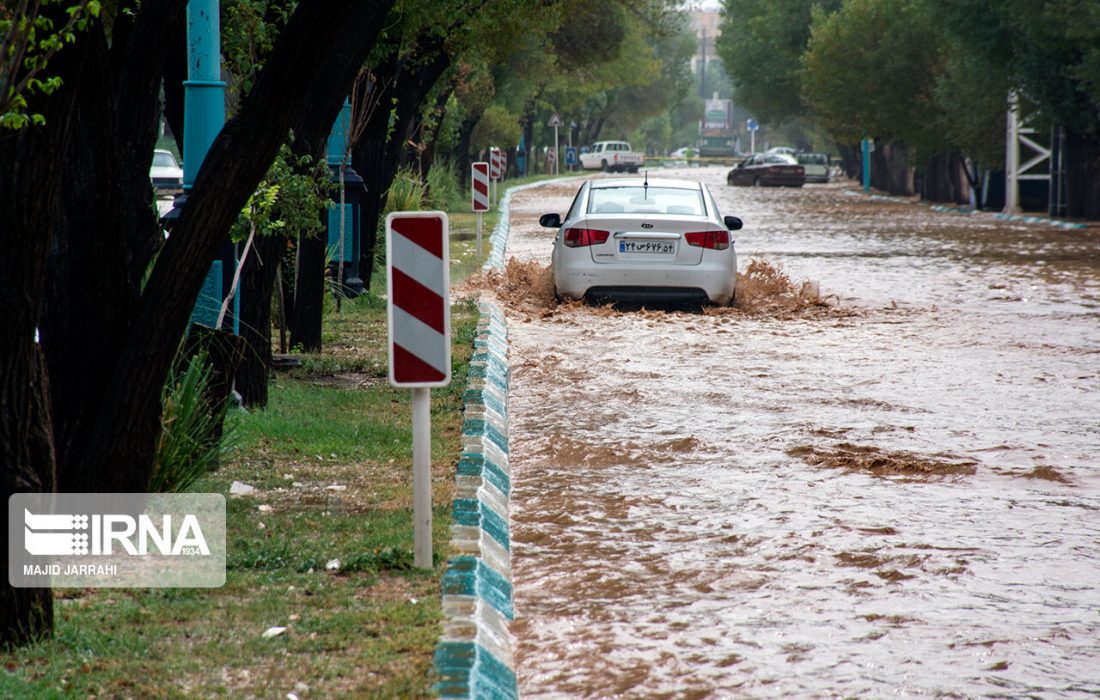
703 68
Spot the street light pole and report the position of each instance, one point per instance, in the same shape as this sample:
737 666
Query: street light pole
203 119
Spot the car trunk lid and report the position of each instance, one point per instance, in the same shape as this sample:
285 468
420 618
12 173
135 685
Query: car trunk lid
644 241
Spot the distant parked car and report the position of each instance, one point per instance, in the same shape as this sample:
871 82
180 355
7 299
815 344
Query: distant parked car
815 165
642 240
768 170
165 172
612 156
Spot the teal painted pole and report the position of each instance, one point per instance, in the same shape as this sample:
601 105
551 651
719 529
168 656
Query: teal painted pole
867 165
203 119
204 90
338 138
344 213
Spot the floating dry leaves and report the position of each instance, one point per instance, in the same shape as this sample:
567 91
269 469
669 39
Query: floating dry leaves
873 460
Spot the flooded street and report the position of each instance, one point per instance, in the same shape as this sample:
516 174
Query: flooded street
897 494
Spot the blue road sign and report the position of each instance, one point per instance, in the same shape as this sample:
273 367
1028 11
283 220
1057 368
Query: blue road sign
570 155
751 124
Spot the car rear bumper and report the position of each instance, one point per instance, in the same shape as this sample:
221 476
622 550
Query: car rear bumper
715 282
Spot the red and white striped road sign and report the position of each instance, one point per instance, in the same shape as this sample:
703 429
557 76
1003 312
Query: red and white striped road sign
496 164
479 186
418 289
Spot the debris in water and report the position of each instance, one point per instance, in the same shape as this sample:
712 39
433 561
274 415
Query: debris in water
870 459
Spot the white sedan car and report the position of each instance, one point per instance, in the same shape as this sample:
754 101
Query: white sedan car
165 172
640 240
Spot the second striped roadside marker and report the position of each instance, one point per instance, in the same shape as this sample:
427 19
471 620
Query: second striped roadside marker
479 194
418 295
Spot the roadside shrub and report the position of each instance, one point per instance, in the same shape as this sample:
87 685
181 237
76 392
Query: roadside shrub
442 187
406 192
192 439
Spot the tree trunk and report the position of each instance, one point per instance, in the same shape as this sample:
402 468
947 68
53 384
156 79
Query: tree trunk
939 179
309 294
107 430
465 139
28 204
851 161
380 158
26 614
890 169
1082 166
257 286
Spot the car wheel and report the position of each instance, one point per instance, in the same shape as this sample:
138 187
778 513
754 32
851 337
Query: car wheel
756 182
632 170
603 165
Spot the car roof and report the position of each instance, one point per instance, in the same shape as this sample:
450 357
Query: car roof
639 181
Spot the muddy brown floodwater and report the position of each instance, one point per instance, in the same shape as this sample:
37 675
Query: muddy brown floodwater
895 495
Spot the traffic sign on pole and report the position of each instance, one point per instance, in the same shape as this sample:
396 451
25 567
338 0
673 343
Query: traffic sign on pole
479 190
419 314
479 186
495 164
418 290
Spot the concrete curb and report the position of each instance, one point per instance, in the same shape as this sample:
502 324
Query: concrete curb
967 211
474 656
498 240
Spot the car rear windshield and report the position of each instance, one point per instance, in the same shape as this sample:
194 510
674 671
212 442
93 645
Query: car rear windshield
645 200
164 160
813 159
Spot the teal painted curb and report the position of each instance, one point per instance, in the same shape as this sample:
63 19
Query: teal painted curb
474 656
455 662
967 211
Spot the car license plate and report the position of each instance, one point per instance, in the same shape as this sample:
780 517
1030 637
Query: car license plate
633 246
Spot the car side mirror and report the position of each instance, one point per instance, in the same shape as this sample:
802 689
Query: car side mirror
733 223
550 220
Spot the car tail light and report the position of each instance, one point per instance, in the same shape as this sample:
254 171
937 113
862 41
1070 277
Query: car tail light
715 240
581 237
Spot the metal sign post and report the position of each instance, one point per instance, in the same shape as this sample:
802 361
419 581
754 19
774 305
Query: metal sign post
479 194
496 168
419 315
555 121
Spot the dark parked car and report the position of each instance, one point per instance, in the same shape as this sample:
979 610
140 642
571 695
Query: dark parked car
768 170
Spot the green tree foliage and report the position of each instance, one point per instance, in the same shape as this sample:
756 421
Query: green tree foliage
289 200
29 37
761 45
1050 48
870 69
496 127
